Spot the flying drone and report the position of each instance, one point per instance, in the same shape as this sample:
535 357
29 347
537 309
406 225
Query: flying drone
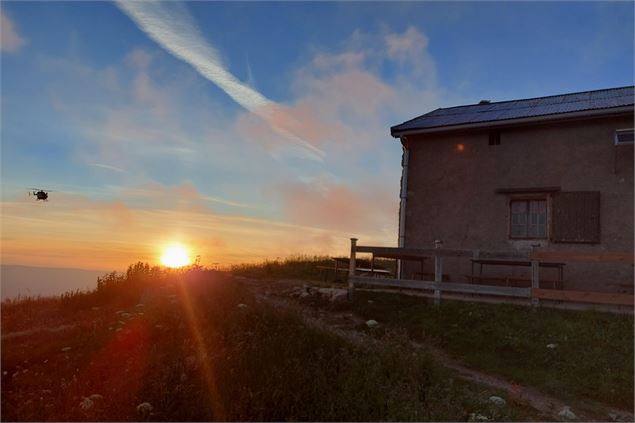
40 194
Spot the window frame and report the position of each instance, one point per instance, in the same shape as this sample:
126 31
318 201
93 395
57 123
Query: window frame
622 130
528 198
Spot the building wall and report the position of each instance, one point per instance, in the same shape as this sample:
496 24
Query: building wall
451 193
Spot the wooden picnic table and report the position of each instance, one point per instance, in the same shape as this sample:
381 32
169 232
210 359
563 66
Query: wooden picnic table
557 284
342 264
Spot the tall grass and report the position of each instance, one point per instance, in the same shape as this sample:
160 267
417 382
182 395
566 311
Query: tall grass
304 267
207 349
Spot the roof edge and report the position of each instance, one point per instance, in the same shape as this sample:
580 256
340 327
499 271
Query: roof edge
514 121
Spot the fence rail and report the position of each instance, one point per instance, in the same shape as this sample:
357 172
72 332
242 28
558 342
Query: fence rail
534 293
446 286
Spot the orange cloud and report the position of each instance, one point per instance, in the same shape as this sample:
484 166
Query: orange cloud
338 207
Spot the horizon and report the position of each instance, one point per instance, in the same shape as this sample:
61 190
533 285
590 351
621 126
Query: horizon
255 138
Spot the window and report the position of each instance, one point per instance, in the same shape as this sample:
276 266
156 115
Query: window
528 219
576 217
624 136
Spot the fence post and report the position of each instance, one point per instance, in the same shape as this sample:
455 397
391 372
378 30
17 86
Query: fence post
438 271
351 268
535 281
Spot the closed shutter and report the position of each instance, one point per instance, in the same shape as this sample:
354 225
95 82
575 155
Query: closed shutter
576 217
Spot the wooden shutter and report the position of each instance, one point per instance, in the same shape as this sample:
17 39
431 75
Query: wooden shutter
576 217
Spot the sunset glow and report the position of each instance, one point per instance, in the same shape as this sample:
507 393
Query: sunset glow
175 256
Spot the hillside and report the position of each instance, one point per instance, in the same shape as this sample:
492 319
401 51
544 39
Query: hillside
199 345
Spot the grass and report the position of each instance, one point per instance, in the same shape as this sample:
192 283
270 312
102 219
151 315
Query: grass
304 267
593 357
202 348
592 360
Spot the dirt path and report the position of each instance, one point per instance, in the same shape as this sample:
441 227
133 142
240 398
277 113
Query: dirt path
345 324
28 332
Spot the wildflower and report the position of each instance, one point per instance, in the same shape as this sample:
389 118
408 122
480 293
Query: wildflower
567 414
551 346
145 408
371 323
86 404
477 417
498 401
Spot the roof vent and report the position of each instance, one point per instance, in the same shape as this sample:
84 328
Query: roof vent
484 102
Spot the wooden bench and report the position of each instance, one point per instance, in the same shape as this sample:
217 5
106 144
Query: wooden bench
516 282
513 282
429 276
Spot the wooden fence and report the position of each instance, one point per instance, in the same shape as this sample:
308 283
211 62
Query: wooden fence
533 293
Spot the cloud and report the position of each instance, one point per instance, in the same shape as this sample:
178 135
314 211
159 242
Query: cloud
224 194
109 167
407 46
172 27
10 41
339 207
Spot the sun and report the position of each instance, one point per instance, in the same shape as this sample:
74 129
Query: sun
175 255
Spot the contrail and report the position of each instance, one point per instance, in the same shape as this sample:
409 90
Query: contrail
171 26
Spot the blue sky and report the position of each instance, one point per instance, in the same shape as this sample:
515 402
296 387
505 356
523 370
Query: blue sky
144 149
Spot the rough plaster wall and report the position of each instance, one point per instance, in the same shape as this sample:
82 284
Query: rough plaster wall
451 193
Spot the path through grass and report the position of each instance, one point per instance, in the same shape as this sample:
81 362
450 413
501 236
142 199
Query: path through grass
591 356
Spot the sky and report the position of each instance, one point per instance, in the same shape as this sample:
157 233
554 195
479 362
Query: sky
248 131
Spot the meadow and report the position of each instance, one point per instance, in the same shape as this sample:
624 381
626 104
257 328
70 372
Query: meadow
197 345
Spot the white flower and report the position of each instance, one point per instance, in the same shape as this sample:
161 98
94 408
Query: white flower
371 323
566 413
241 305
551 346
497 401
144 408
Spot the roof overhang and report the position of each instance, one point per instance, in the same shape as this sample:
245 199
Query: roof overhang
517 122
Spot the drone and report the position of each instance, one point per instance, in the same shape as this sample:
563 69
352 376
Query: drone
40 194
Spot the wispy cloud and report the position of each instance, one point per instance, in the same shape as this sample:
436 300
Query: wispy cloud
171 26
10 41
105 166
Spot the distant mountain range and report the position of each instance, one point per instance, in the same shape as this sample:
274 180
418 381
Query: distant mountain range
44 281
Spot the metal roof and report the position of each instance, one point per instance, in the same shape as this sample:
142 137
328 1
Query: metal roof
495 112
